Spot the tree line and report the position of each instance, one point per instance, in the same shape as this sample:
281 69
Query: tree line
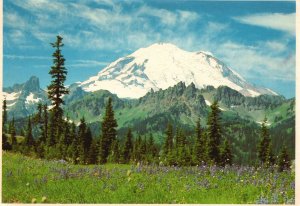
59 138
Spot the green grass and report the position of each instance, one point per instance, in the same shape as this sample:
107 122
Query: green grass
26 178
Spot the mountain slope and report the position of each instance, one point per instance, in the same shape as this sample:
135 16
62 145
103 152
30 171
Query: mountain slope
184 103
162 65
181 105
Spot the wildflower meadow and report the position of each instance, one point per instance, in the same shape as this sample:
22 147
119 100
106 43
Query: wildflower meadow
28 180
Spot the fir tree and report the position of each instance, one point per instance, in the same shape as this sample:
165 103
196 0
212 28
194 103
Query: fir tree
40 144
40 111
29 141
226 155
200 155
73 131
108 132
115 152
58 73
45 124
5 143
67 133
136 154
40 149
151 147
38 116
65 140
22 132
12 131
93 153
73 138
4 116
214 133
75 149
180 138
81 136
87 142
53 133
143 149
284 162
128 147
186 156
180 155
56 90
264 149
169 140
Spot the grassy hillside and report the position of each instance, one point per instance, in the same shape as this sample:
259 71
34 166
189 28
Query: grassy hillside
27 180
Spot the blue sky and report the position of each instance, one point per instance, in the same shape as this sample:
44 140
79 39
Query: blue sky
256 39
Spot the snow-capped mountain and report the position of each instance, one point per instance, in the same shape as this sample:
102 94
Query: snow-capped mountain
162 65
21 99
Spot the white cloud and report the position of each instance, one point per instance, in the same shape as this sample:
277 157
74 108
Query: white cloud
13 20
41 6
11 56
276 46
18 36
187 16
105 2
107 20
44 36
251 61
165 16
109 29
87 63
169 18
277 21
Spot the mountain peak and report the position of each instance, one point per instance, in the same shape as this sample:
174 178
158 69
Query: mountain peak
157 49
32 85
164 45
162 65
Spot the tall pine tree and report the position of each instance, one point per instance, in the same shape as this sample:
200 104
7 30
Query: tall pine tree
178 154
128 147
265 148
87 142
168 145
226 154
4 116
29 141
93 153
12 131
200 156
108 132
151 148
144 149
136 154
115 152
74 150
58 73
284 162
38 116
53 131
81 136
57 89
214 133
45 123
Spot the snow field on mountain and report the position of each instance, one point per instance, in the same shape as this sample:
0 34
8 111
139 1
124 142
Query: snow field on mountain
162 65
